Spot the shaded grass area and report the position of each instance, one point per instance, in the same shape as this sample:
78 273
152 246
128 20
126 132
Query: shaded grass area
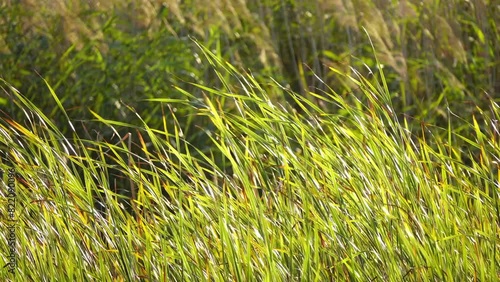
351 195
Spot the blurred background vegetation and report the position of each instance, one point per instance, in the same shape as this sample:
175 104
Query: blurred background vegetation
439 57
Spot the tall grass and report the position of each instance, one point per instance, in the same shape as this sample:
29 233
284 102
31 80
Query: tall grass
143 155
344 195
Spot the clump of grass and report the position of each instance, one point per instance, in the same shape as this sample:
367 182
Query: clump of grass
344 195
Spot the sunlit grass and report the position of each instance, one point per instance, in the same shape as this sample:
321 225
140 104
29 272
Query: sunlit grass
349 195
142 160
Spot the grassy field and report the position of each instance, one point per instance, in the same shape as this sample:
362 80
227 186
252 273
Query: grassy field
250 140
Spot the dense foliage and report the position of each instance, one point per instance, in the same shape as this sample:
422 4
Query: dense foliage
251 140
